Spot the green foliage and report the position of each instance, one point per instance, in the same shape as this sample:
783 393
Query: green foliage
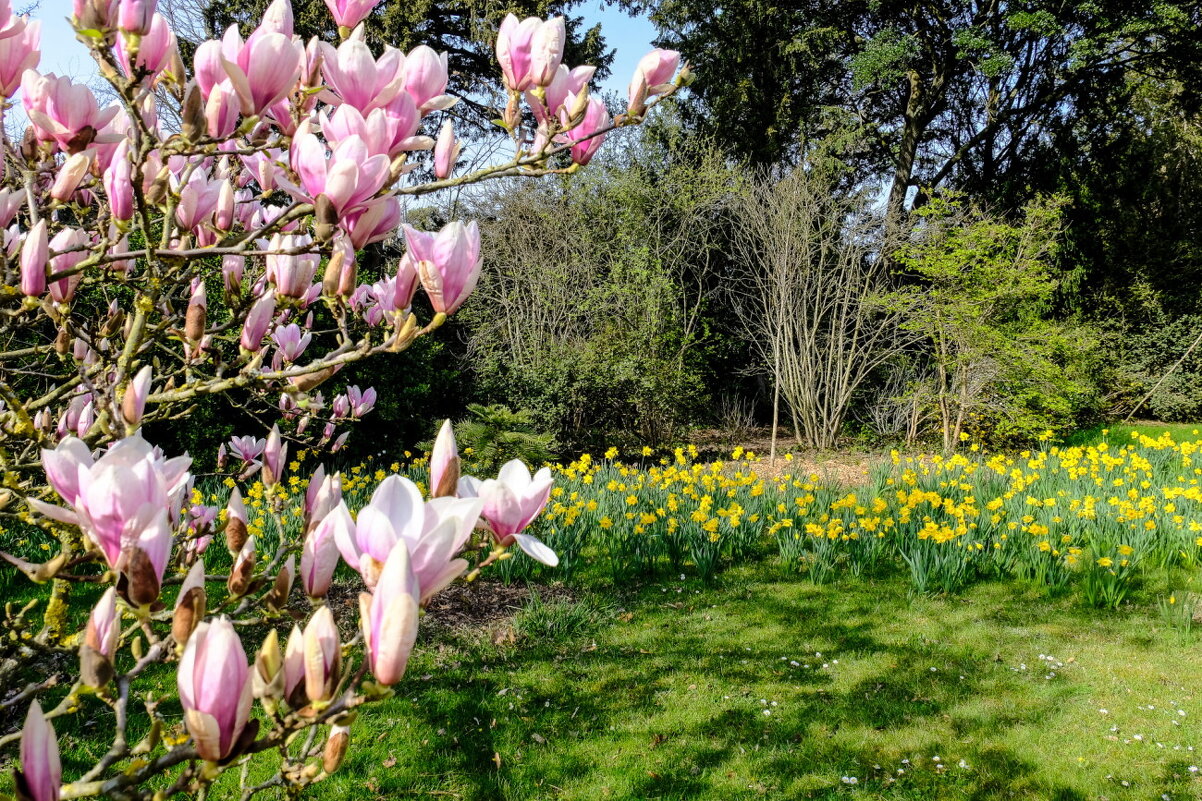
494 435
603 328
883 59
1158 360
981 301
972 96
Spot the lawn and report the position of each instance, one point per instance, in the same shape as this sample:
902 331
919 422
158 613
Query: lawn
1122 432
762 685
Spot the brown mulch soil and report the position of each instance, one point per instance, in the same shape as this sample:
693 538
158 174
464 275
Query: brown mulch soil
483 604
846 467
479 606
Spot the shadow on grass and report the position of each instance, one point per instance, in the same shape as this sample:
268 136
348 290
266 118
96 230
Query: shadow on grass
671 703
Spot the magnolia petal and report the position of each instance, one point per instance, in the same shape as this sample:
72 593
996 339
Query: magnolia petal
536 549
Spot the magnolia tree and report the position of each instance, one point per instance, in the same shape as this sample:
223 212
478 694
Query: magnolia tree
147 265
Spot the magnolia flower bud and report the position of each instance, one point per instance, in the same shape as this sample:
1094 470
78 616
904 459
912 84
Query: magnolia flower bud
40 775
235 523
444 463
35 251
268 676
215 691
100 641
323 656
294 669
243 570
133 403
311 381
277 597
336 746
333 274
190 606
69 176
196 317
325 218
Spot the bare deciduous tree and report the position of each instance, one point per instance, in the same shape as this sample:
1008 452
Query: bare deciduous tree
807 272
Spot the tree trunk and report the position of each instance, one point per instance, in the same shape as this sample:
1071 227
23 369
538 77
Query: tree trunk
903 170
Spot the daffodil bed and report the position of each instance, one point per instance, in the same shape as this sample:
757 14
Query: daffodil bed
1091 519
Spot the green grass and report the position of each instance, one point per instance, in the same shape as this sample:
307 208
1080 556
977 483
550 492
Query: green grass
1119 433
687 691
761 685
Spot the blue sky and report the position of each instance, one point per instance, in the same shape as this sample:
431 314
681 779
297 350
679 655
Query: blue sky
61 53
630 38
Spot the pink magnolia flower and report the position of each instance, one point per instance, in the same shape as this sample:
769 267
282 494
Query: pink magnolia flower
278 18
62 111
448 262
374 221
354 76
247 448
258 320
361 401
565 83
69 248
115 498
156 49
319 554
261 70
104 625
19 53
529 51
394 513
652 77
447 527
546 51
70 175
586 137
197 200
349 13
40 776
511 502
407 281
433 534
289 341
294 668
100 641
221 110
324 492
133 402
136 16
389 617
215 690
425 79
11 201
275 457
391 129
291 273
349 177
